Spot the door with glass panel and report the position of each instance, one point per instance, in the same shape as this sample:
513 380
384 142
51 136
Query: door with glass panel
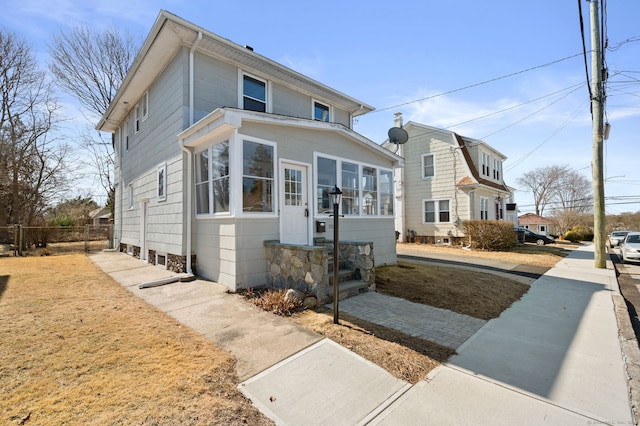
294 204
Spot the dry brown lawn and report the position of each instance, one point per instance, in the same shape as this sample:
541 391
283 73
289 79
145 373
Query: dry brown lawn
479 294
78 348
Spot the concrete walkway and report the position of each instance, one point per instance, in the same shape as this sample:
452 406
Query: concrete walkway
554 357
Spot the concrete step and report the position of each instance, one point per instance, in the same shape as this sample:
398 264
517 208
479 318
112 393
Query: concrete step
350 288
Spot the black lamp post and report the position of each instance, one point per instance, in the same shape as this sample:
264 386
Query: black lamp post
336 198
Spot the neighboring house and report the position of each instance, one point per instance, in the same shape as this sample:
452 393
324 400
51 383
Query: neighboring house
100 216
221 151
447 179
536 223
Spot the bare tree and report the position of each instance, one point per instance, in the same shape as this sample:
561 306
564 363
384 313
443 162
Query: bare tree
574 192
543 183
90 66
32 168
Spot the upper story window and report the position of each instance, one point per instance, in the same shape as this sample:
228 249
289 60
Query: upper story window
125 132
486 163
496 169
366 190
428 166
320 111
145 105
254 94
136 118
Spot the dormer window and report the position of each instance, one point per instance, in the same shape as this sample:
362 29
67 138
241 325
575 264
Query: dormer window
320 112
486 164
496 169
254 94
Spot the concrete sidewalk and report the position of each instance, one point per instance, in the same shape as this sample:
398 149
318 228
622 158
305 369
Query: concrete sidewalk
554 357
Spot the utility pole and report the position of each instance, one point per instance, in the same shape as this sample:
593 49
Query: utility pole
597 113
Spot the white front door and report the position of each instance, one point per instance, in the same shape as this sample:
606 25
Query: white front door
294 204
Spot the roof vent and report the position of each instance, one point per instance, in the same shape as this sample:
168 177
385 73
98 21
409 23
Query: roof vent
246 46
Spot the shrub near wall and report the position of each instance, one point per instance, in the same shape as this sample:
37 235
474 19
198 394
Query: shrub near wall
490 234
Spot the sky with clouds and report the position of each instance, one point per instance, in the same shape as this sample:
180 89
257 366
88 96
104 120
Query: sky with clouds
507 72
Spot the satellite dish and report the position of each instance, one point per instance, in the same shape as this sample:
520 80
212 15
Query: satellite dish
398 135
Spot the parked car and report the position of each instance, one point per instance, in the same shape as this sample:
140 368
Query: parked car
616 237
532 237
630 247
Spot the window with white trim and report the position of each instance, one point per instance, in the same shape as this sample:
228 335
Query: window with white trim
125 131
436 211
366 190
258 171
350 189
254 93
486 162
320 111
145 105
428 166
386 192
162 182
369 191
130 196
136 127
496 169
212 179
484 208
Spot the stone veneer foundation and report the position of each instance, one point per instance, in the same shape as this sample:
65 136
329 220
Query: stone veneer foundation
306 268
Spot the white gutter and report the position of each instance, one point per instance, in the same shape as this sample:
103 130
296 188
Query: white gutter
188 211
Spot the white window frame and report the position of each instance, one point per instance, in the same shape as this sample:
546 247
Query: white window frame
436 203
125 131
166 260
484 208
496 169
486 165
211 211
136 122
161 181
433 156
130 186
145 105
274 181
267 88
361 190
327 106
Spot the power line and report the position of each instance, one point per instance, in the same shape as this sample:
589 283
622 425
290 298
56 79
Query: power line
476 84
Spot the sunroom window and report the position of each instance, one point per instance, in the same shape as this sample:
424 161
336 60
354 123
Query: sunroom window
366 190
257 177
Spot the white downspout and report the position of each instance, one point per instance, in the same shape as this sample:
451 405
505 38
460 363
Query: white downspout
188 212
192 53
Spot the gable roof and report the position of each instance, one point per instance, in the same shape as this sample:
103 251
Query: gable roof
171 33
532 219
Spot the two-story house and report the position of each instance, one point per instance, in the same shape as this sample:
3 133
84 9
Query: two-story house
219 149
446 179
